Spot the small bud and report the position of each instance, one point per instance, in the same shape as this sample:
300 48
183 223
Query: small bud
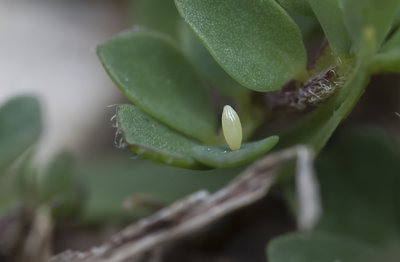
232 128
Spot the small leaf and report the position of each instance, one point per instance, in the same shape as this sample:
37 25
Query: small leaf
58 188
207 66
26 175
20 127
58 177
329 14
300 6
321 247
157 15
374 15
152 140
256 42
152 73
388 59
222 156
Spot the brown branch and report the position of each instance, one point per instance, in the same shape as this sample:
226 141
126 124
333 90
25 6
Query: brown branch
189 215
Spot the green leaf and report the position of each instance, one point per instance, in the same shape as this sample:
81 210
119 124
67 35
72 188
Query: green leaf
207 66
152 140
388 59
222 156
9 200
256 42
58 187
318 248
157 15
359 181
308 26
376 16
300 6
151 72
122 178
26 176
393 43
396 22
329 14
20 127
57 178
18 184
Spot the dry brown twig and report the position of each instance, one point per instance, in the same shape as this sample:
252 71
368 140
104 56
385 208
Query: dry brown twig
201 208
25 235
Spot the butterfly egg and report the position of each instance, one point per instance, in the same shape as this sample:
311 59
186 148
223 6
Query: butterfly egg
231 128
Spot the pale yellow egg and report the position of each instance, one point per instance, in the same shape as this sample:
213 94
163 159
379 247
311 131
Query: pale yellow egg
231 127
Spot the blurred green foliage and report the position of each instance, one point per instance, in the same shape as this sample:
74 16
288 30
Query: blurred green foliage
359 178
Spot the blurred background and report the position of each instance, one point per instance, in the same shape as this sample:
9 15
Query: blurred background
48 51
70 162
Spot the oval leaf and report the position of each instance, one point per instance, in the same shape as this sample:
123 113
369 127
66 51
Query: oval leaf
329 15
20 127
59 185
151 72
152 140
222 156
207 66
256 42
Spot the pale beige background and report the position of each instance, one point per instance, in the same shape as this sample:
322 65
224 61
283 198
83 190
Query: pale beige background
47 48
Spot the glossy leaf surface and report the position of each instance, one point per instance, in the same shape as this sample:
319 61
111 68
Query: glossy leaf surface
222 156
256 42
151 72
152 140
